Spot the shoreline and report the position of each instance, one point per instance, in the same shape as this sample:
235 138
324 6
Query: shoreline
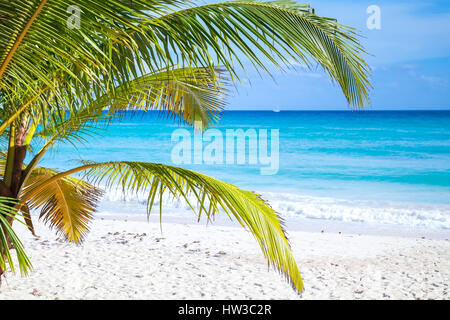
309 213
133 260
293 224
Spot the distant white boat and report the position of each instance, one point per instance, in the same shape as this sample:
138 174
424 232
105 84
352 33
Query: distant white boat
276 110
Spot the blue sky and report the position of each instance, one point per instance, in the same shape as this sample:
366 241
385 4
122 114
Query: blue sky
409 56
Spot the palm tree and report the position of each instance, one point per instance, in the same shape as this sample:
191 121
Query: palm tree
58 83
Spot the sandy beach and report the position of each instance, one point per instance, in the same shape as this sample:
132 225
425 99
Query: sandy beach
123 259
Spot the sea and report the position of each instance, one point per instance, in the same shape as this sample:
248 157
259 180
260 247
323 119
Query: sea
364 167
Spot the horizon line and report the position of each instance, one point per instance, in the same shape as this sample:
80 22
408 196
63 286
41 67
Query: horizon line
311 110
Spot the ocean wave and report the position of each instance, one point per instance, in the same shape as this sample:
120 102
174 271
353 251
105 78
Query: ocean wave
415 215
429 216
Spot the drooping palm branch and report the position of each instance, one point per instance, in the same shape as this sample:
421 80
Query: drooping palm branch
68 204
212 196
189 94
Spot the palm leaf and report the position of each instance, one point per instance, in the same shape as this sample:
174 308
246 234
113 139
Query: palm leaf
213 195
119 40
279 31
75 129
8 237
31 22
38 50
189 94
66 204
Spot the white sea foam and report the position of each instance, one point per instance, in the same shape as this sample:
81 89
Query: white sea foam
428 216
407 214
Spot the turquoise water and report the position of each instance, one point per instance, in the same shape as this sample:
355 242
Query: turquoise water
388 156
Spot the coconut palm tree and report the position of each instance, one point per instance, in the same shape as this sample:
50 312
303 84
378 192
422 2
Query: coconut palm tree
67 68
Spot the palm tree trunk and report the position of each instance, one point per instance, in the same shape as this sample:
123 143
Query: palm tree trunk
12 187
20 151
5 192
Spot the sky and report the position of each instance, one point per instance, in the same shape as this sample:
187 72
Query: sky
409 57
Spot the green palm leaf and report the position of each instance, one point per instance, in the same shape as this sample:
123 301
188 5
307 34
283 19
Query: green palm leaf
189 94
9 239
212 195
277 30
119 40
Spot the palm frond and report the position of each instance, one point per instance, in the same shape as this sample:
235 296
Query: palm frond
121 40
75 129
9 237
212 195
35 35
38 49
67 204
189 94
280 31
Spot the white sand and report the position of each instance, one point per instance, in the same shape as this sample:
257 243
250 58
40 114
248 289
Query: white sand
132 260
